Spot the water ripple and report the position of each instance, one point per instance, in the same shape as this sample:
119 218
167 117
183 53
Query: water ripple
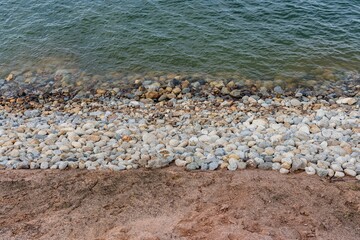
255 38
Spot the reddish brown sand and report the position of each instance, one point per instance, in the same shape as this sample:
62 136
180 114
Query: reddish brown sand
174 204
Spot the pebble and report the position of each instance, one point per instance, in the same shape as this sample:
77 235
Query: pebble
233 164
349 101
213 165
310 170
63 165
44 165
339 174
204 133
294 102
278 90
350 172
180 163
284 171
148 138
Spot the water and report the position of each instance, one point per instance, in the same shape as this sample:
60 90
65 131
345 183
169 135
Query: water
261 39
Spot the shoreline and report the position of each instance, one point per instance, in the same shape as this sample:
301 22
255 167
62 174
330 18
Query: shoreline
192 124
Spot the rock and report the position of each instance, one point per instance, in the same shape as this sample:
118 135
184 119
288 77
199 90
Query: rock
34 165
192 166
76 144
339 174
310 170
152 95
294 102
278 90
44 165
236 93
284 171
149 138
322 172
276 138
14 153
233 164
336 167
358 177
269 151
265 166
10 77
174 142
193 141
180 163
121 167
350 172
63 165
323 164
220 152
134 104
204 167
276 166
326 133
259 122
298 164
22 165
305 129
241 165
213 165
94 138
331 172
348 101
204 138
32 113
217 84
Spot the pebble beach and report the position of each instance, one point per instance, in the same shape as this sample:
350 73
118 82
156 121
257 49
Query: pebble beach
193 123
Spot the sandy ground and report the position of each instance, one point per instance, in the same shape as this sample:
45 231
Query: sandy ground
174 204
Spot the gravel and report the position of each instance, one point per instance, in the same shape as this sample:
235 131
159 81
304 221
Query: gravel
274 132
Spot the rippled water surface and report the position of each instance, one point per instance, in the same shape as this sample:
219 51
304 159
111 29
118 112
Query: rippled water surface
255 38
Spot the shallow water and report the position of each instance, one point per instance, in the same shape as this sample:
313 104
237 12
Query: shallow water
261 39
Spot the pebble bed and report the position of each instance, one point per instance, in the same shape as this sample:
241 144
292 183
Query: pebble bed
158 126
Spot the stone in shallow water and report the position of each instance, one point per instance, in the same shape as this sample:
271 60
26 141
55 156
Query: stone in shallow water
278 90
235 93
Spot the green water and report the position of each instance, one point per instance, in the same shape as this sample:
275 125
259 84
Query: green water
254 38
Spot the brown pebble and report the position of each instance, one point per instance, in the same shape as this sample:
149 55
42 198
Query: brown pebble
152 95
126 138
9 77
